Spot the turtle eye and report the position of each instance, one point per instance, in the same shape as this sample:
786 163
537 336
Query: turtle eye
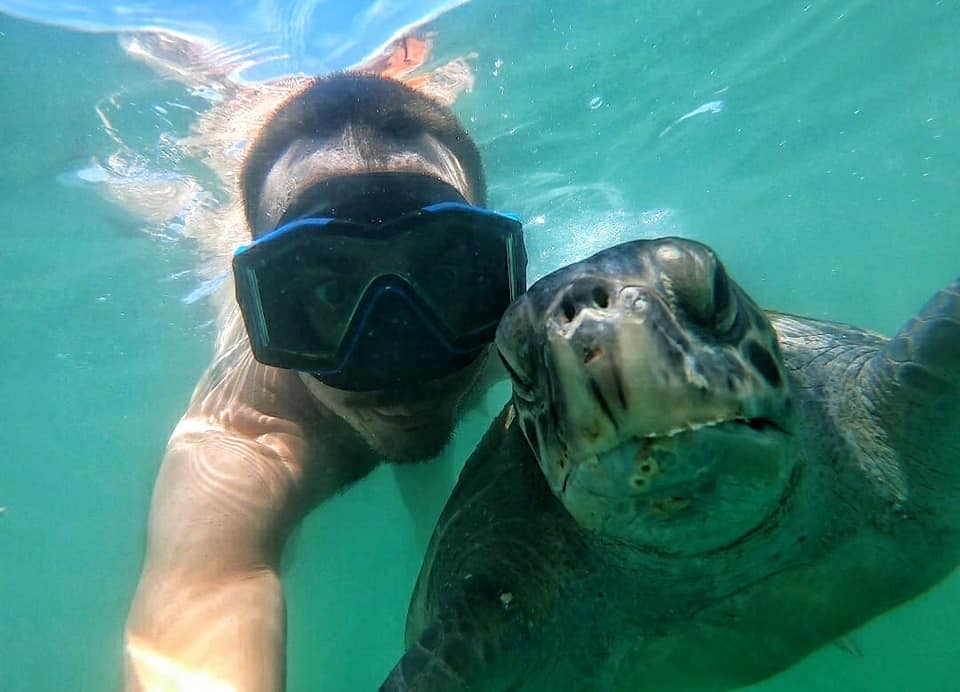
761 359
521 387
723 311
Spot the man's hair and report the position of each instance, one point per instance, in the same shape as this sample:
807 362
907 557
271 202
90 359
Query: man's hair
328 105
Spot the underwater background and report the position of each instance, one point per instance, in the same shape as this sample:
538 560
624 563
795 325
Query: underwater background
814 144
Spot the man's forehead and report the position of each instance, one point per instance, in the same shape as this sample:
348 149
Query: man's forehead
308 161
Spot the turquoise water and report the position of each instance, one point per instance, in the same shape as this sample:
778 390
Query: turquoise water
815 145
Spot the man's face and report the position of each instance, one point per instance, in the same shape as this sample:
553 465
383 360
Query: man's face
416 422
413 424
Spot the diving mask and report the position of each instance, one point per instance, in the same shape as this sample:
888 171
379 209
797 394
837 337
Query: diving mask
367 306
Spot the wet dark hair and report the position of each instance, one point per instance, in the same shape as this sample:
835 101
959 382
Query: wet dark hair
327 105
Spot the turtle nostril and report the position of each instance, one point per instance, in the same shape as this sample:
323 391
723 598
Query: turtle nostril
601 297
583 294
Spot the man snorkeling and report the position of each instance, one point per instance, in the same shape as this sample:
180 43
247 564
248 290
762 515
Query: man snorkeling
367 299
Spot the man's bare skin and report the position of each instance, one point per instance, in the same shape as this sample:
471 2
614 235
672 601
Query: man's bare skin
259 447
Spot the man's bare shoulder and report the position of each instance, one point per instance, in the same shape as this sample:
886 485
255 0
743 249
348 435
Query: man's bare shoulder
239 394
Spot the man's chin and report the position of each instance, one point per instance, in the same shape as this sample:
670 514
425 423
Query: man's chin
406 442
408 425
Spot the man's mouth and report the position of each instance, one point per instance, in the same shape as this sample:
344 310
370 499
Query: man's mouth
404 412
407 416
419 405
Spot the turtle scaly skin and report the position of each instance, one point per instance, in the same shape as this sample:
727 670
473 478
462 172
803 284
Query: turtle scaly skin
710 491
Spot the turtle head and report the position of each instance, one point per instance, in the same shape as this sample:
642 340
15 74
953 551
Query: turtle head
653 392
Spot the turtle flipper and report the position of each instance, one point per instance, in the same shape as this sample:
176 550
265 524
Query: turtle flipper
928 346
495 566
912 389
476 649
430 665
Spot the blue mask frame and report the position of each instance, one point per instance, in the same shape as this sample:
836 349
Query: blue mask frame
400 324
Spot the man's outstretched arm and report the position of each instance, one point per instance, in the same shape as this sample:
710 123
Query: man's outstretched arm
209 605
240 471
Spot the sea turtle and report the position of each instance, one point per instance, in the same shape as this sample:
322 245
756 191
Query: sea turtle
720 490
